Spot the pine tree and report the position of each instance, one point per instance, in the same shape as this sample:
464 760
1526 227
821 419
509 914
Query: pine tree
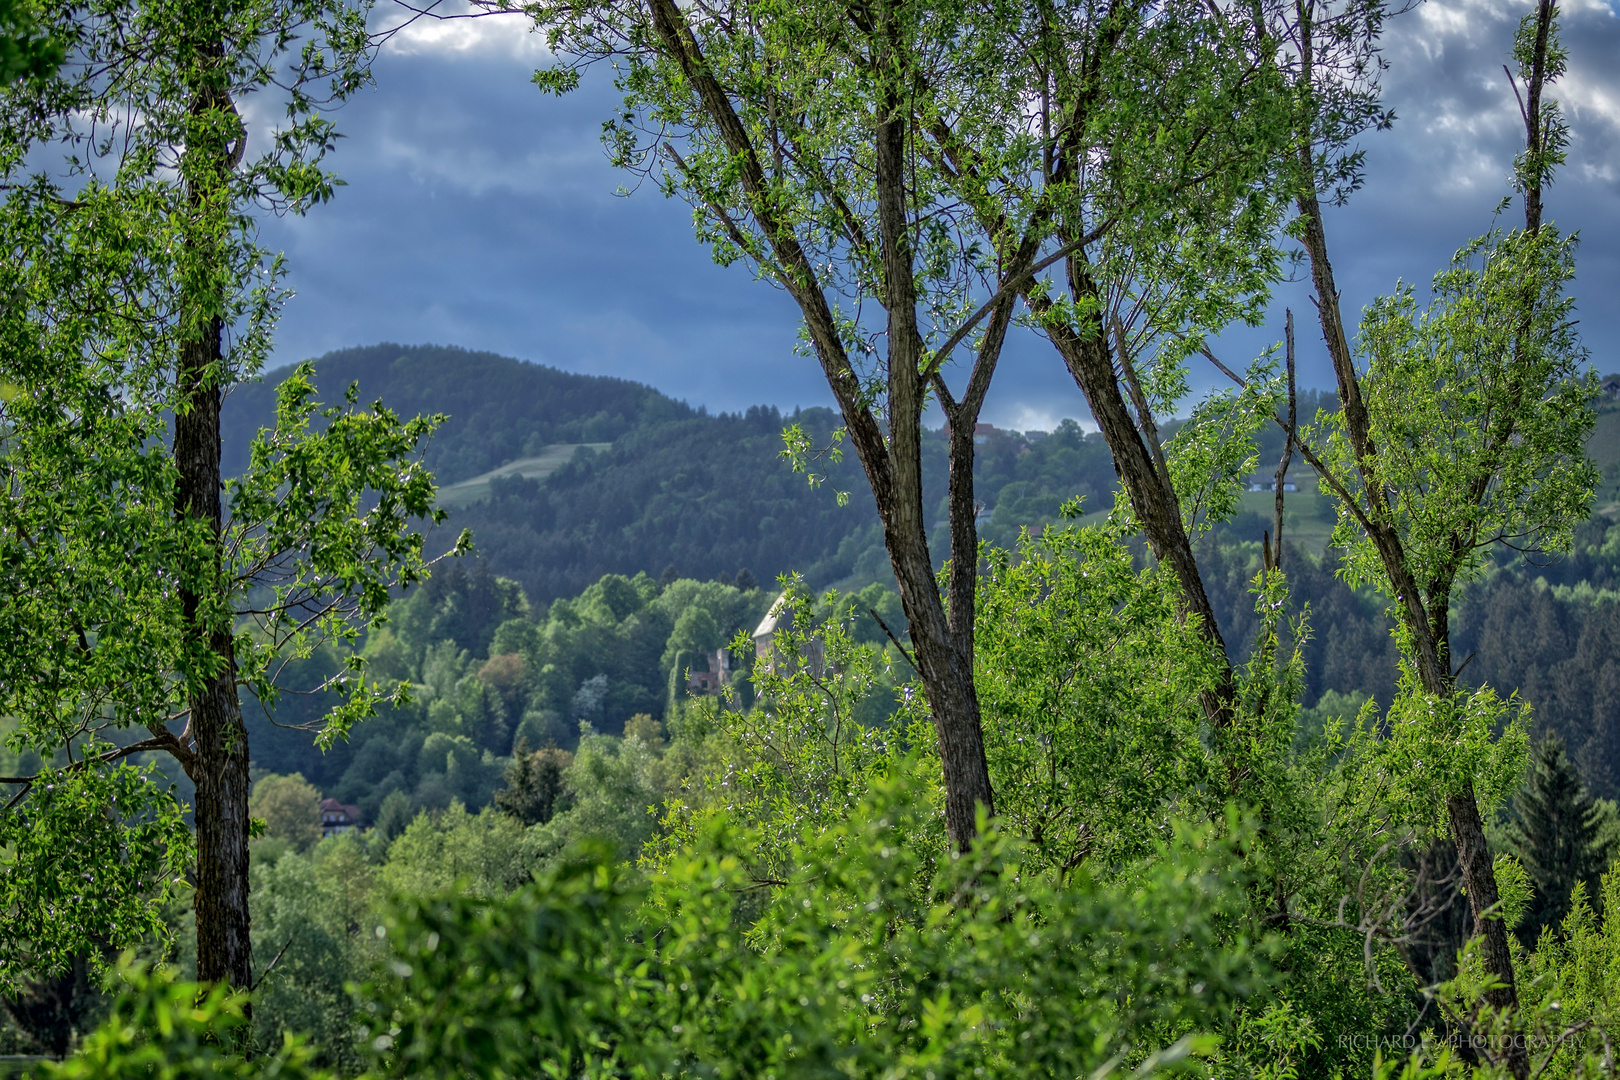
1556 835
534 784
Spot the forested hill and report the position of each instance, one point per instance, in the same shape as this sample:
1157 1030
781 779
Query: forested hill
673 492
500 409
608 476
564 478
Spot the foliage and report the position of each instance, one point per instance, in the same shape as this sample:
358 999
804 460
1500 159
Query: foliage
823 728
482 853
129 257
1094 681
1400 767
1480 412
86 863
322 523
166 1029
534 783
24 51
611 793
289 807
862 964
1556 832
1572 986
312 936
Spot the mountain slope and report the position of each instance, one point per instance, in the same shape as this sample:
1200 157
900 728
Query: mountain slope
499 409
564 478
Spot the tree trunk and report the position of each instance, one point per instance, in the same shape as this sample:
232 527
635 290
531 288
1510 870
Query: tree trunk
1430 642
943 647
220 765
1479 877
1152 499
892 464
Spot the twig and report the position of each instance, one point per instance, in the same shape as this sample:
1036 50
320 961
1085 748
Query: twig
265 973
872 612
1288 440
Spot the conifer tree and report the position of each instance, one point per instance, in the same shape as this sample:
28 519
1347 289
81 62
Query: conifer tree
534 784
1556 835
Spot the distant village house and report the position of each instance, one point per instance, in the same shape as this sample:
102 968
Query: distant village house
338 818
1267 481
716 677
765 638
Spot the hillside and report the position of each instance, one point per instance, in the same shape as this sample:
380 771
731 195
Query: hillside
566 479
500 409
547 461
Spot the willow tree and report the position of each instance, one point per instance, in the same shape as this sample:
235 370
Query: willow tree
149 591
900 171
1462 428
1153 133
792 130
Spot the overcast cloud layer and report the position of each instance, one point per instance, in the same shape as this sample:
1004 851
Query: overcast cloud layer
480 213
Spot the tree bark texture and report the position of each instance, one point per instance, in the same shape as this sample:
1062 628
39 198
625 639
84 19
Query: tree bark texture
944 651
219 760
220 763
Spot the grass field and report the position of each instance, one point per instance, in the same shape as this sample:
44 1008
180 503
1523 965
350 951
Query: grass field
1604 450
542 465
1307 513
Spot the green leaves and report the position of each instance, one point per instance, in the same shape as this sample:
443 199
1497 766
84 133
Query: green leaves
1215 449
125 264
867 961
321 531
1092 680
1479 409
164 1029
1400 769
540 983
85 861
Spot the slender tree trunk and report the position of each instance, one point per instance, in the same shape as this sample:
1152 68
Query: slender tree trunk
892 464
1432 657
1532 116
1152 498
220 765
943 659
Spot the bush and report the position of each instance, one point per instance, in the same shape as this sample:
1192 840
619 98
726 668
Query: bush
867 960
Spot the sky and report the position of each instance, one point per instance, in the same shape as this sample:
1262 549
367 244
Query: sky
479 212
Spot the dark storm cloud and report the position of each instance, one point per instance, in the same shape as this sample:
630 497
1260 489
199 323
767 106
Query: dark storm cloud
1435 179
480 213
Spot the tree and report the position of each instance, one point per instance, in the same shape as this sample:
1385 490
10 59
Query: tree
290 808
888 158
1461 427
789 131
1157 140
534 783
1556 835
143 296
